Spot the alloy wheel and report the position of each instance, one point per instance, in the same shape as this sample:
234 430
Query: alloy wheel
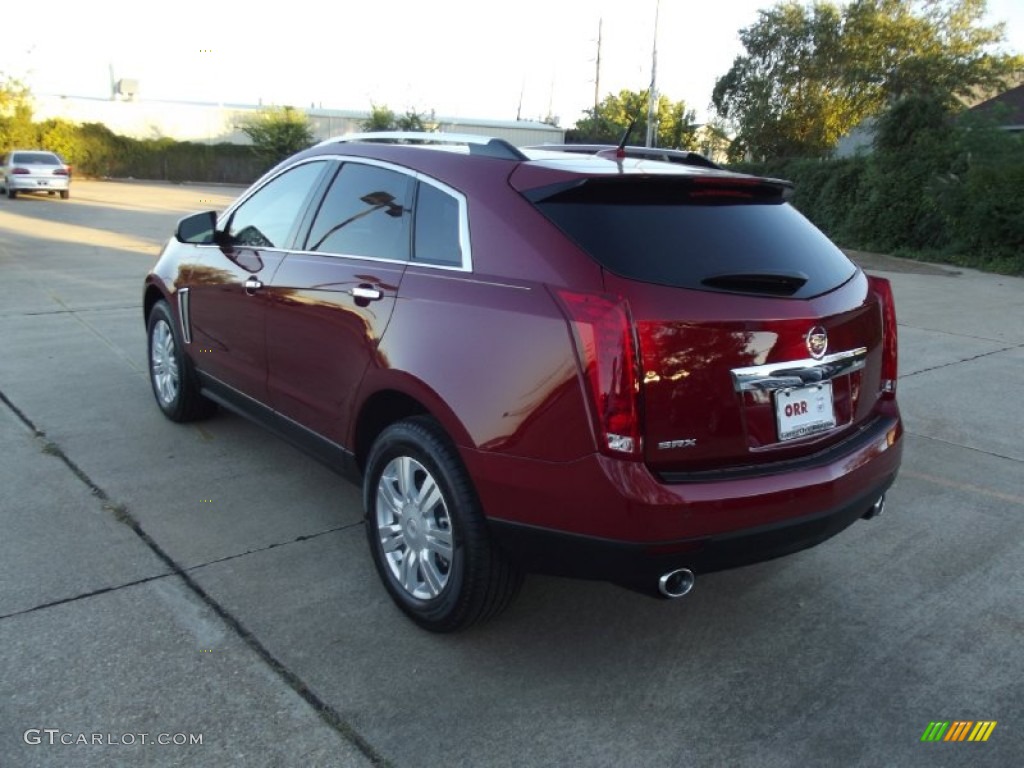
414 528
164 363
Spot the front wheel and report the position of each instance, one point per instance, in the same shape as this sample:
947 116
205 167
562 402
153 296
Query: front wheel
427 533
170 372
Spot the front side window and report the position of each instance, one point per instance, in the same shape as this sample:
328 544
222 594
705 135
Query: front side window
268 217
366 212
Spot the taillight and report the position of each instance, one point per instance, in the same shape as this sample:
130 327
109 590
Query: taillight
606 349
20 171
883 289
60 172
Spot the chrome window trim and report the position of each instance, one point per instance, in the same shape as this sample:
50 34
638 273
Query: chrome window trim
464 234
797 373
185 315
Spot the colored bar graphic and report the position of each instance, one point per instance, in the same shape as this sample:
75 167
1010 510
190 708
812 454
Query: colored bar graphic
958 730
982 730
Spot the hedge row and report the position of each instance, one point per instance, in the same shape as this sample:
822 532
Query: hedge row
94 150
945 191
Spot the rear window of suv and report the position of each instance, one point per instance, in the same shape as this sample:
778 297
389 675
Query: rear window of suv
707 234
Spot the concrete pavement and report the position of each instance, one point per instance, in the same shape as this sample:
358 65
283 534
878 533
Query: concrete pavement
211 580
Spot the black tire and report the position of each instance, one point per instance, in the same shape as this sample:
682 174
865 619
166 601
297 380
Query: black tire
64 194
170 371
442 594
11 193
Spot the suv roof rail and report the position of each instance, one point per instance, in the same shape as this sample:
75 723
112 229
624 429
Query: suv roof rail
478 145
681 156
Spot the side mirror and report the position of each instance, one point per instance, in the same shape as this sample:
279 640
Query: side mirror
197 229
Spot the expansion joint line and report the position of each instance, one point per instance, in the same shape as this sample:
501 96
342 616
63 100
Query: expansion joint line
965 360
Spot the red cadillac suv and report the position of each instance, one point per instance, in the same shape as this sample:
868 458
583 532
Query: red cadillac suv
603 367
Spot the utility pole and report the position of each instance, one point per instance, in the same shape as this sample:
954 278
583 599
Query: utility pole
653 91
597 73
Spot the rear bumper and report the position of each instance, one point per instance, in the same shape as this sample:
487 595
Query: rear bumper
32 184
612 520
638 566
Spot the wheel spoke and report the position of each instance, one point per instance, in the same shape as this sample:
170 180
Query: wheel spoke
410 570
387 497
406 478
432 578
439 541
391 537
429 495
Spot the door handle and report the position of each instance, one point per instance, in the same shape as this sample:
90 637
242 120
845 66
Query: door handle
366 292
252 284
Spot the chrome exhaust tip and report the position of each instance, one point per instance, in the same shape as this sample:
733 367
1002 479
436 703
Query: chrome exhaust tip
676 583
876 509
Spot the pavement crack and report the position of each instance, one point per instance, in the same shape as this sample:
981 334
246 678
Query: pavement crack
952 333
72 311
275 545
85 595
966 447
964 360
325 711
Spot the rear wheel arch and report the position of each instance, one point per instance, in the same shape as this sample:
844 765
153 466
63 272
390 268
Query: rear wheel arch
378 412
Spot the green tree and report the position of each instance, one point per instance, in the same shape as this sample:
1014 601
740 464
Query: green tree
278 132
915 151
676 125
416 121
812 72
16 126
381 118
62 137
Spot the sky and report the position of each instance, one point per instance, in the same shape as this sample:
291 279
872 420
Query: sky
460 58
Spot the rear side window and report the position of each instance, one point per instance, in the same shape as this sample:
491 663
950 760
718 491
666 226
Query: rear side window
366 212
437 227
739 239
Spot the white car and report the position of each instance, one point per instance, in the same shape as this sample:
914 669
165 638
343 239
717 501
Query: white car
34 171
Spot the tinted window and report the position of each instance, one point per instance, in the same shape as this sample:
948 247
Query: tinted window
710 239
437 227
365 213
267 218
36 158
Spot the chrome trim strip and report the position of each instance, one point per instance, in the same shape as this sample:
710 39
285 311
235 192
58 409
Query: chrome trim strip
477 282
185 315
797 373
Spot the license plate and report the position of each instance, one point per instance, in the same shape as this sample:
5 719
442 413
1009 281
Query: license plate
43 183
804 411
